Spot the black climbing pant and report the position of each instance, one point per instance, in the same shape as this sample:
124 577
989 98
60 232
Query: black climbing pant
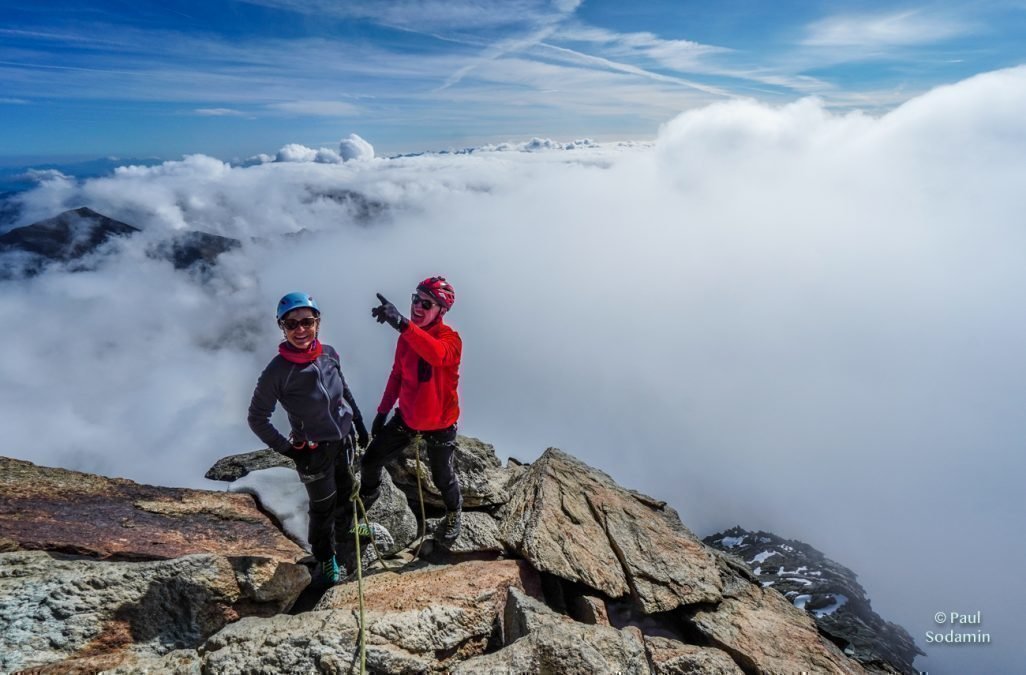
390 443
326 474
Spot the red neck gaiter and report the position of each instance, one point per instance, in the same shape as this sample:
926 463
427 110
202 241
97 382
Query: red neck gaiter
292 354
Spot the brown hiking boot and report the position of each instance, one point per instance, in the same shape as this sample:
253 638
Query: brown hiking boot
451 526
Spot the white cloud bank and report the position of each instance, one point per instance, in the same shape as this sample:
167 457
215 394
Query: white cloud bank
777 317
349 148
354 147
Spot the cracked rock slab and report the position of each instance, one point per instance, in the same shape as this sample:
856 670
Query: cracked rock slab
54 610
52 509
423 620
539 640
449 607
765 633
574 521
480 534
323 641
392 510
234 467
670 657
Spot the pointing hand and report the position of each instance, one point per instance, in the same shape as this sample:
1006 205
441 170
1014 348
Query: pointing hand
386 312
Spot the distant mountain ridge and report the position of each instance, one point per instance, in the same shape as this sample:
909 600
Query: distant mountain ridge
72 235
825 589
67 236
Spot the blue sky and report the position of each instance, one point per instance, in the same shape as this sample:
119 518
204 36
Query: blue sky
234 78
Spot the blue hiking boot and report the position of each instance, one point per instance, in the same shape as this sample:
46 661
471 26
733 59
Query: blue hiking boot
328 572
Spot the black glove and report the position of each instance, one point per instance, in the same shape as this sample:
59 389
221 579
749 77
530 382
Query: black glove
361 432
379 423
387 312
285 449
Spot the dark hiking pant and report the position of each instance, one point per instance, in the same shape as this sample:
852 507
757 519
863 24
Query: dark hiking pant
326 475
390 443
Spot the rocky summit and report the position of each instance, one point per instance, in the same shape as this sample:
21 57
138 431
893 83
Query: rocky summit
558 570
826 590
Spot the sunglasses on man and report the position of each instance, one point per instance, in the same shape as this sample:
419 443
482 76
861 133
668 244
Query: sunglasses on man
293 324
424 303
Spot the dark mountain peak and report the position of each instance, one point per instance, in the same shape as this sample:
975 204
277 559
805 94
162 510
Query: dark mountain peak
184 249
74 234
67 236
824 588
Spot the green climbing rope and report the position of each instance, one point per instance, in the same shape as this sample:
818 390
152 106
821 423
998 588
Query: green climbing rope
418 440
359 511
359 582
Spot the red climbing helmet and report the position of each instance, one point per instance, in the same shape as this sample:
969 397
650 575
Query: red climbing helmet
439 289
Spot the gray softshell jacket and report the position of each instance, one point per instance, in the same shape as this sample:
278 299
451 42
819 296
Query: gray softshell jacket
319 404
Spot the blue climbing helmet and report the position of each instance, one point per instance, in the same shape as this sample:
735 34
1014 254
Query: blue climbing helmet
295 301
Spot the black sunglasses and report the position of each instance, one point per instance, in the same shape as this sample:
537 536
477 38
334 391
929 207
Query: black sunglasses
293 324
424 303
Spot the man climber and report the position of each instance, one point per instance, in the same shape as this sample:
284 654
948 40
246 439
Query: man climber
424 375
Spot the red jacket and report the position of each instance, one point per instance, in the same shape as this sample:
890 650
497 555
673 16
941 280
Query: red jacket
424 377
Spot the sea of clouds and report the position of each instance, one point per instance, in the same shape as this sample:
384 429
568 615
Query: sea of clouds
779 317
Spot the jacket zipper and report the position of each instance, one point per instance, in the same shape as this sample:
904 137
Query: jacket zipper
327 399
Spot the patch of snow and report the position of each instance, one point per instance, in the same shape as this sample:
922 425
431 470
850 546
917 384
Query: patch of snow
757 571
282 493
762 557
804 582
798 570
767 584
839 601
731 542
800 601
